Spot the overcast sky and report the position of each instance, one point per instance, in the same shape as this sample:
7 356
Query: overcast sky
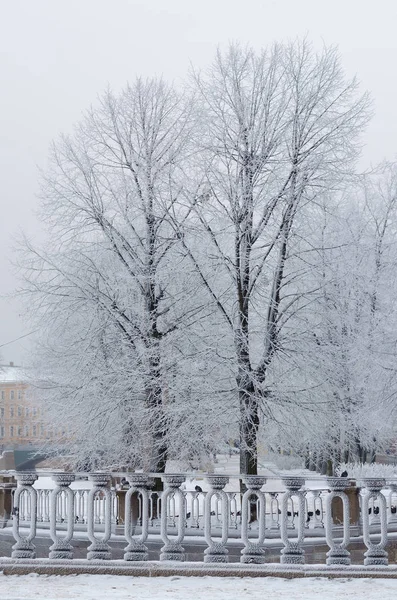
56 56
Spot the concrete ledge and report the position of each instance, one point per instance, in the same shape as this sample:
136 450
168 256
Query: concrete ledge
188 569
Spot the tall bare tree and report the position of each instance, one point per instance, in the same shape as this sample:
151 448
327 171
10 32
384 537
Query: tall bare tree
278 127
108 273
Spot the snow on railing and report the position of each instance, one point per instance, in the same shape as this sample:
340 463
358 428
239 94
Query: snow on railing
333 509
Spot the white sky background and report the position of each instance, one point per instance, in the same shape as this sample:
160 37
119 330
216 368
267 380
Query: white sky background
56 56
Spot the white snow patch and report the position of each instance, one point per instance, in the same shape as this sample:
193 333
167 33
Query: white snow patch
92 587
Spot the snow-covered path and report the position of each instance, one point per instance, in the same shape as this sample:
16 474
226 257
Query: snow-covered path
94 587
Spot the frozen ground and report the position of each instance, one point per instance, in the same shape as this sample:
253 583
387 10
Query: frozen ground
95 587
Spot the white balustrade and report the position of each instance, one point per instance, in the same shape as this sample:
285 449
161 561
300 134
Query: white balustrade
293 552
274 512
318 510
136 549
376 553
216 551
392 512
61 509
253 551
93 508
24 547
338 553
172 549
99 548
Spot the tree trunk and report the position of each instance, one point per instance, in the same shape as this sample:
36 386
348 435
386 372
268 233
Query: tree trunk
249 425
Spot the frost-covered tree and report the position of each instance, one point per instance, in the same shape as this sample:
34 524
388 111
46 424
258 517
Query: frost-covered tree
358 341
109 293
176 300
278 128
350 347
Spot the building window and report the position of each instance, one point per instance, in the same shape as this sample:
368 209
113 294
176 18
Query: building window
26 412
19 411
11 431
41 429
11 411
2 431
34 430
34 411
19 394
3 395
1 412
26 430
19 430
12 395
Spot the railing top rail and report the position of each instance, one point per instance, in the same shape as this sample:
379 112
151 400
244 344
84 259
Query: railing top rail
199 475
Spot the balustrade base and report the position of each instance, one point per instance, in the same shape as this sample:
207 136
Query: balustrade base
216 554
136 552
61 550
292 555
99 551
338 556
253 554
172 552
23 549
376 558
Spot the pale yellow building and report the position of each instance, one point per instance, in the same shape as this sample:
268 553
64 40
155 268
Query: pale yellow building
21 420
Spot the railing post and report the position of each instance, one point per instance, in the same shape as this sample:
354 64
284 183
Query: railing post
392 485
376 553
318 512
172 549
338 553
293 552
136 549
61 547
216 551
99 548
7 486
274 512
24 548
253 552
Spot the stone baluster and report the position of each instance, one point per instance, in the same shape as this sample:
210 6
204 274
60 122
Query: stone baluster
96 507
151 509
172 510
291 516
62 494
24 547
375 520
307 510
7 489
216 551
274 514
233 510
47 505
29 507
115 507
338 553
39 505
253 551
195 509
293 552
99 548
318 510
136 549
376 553
392 519
172 549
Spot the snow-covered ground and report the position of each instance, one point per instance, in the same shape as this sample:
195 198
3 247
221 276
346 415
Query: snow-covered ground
90 587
